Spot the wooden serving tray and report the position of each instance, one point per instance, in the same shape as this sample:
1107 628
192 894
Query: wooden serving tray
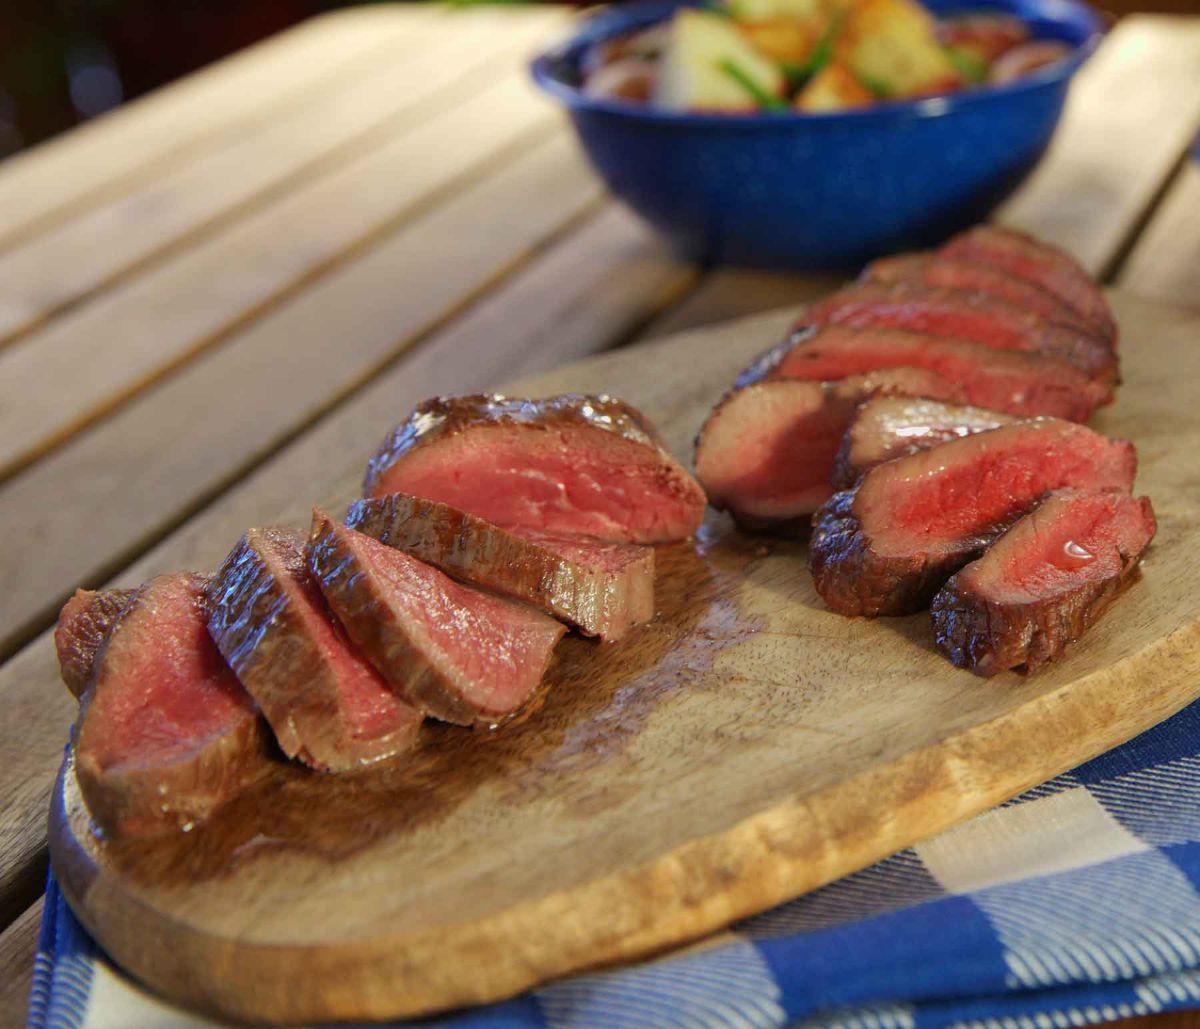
744 748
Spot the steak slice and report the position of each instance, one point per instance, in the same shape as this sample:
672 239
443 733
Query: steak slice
166 734
970 316
454 652
1044 583
766 452
888 427
324 701
602 588
888 544
1047 266
573 465
979 277
1003 380
83 625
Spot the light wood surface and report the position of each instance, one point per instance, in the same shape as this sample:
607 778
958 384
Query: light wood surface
18 945
745 747
449 246
1165 262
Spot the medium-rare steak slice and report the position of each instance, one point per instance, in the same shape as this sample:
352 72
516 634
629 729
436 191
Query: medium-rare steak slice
970 316
766 452
324 701
83 625
1003 380
888 544
166 734
602 588
1047 266
888 427
574 465
978 277
1044 583
452 651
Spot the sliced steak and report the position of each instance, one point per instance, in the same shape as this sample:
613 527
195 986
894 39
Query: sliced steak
766 452
1040 263
166 734
83 625
1044 583
575 465
454 652
969 316
888 544
888 427
1003 380
978 277
324 701
602 588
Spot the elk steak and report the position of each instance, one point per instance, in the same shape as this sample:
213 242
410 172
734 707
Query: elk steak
888 427
166 734
975 317
1040 263
454 652
1004 380
1044 583
766 452
978 277
324 701
574 465
83 626
885 546
602 588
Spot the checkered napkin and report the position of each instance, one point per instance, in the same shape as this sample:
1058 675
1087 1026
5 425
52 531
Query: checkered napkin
1078 902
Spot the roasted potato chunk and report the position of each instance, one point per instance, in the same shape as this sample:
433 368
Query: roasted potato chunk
833 88
892 47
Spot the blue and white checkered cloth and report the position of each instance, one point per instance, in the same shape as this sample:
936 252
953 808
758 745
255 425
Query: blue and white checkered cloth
1078 902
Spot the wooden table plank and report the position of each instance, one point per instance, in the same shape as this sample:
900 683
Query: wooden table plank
585 293
1165 262
457 57
18 945
177 444
93 358
113 153
1132 111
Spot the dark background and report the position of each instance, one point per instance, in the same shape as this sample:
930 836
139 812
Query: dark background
62 61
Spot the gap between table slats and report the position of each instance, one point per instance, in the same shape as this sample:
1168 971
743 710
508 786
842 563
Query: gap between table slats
88 362
18 945
1165 262
119 151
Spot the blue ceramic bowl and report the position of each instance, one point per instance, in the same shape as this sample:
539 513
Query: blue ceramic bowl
821 190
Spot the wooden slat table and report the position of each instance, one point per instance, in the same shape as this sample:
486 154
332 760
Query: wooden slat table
213 301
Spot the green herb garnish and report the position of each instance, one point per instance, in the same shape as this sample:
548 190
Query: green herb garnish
739 75
970 67
880 88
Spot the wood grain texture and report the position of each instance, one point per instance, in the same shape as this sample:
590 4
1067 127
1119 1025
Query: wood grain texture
746 747
183 440
582 295
18 944
126 147
93 357
455 58
1165 263
1132 111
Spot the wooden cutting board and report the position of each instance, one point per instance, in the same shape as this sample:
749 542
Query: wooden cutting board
746 747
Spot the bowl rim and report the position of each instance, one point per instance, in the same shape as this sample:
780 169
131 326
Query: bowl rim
644 13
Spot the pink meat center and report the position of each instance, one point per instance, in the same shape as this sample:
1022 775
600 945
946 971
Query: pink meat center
610 489
369 707
165 691
1063 544
496 649
945 504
